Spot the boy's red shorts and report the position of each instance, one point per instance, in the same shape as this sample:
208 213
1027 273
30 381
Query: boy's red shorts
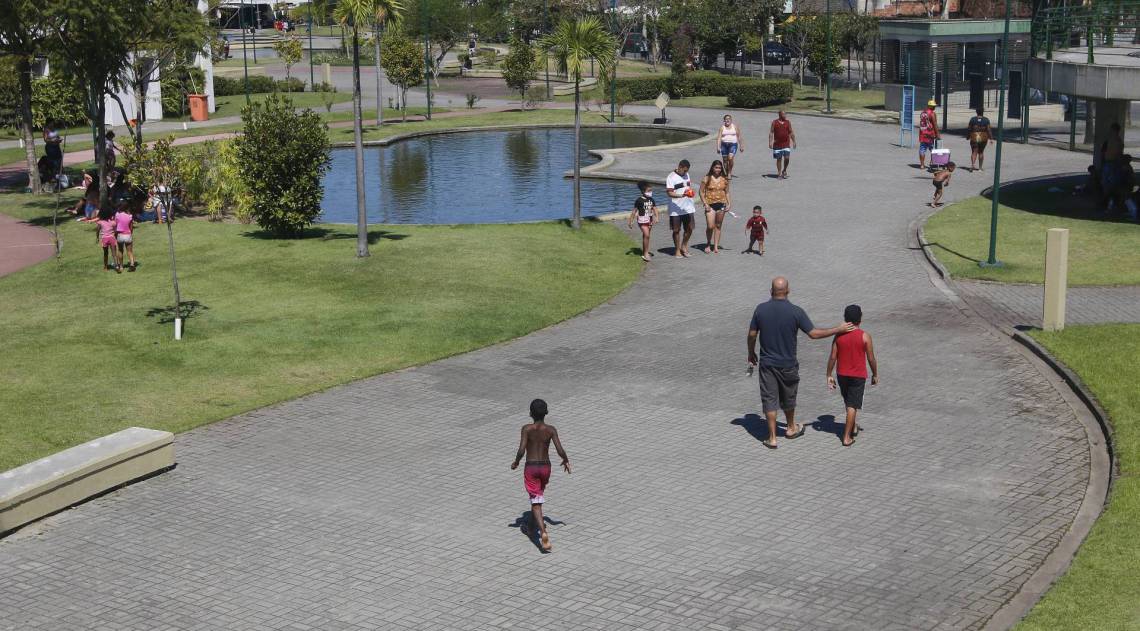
535 478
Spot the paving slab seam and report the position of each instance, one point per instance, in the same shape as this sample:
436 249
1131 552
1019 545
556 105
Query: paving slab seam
1097 432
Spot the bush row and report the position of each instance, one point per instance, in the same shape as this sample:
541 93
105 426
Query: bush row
708 83
226 86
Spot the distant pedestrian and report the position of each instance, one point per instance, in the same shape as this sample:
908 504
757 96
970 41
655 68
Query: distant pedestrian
775 324
729 140
52 147
645 214
851 353
978 131
941 181
535 444
717 201
124 234
109 148
106 238
781 140
927 132
757 229
681 207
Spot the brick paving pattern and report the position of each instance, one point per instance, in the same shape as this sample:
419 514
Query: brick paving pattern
388 503
1012 305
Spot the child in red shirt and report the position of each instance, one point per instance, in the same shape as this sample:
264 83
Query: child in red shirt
853 351
757 228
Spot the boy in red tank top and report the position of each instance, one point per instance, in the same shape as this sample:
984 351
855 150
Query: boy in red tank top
852 352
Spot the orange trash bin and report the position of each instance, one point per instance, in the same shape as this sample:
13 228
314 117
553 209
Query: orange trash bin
199 107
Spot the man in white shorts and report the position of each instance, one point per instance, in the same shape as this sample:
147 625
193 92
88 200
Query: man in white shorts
781 140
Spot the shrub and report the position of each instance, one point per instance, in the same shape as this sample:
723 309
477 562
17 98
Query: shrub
55 98
643 88
535 94
324 87
292 84
753 93
472 99
176 83
226 86
282 155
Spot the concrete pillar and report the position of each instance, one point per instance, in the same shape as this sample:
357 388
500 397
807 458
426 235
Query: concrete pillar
1056 278
327 70
1109 111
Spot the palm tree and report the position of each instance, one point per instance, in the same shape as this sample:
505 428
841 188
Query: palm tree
575 43
355 14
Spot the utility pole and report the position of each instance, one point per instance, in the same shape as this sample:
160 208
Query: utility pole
244 50
613 78
427 55
991 260
545 55
312 82
827 63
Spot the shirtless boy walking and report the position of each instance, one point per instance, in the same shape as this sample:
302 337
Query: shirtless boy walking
535 443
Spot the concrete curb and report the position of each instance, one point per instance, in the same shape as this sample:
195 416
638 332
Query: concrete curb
1091 418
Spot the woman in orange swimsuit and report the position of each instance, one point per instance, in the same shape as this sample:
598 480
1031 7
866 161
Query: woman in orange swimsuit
717 201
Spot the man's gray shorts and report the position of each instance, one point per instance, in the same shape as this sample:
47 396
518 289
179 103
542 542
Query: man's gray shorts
778 387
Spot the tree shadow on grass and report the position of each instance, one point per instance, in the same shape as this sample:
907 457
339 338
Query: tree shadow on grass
325 234
165 315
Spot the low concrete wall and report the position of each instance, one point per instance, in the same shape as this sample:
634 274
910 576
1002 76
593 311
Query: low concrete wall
51 484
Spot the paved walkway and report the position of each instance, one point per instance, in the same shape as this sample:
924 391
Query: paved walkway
1015 305
388 503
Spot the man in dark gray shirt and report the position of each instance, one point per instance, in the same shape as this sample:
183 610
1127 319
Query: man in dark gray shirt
776 323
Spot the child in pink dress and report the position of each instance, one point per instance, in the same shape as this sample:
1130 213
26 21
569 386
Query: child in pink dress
124 234
106 231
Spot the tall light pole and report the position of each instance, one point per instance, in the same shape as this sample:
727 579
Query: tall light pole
427 55
253 33
545 55
991 260
312 80
244 50
827 61
613 79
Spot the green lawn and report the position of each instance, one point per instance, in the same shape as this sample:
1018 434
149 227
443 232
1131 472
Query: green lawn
86 353
531 117
1100 252
1101 590
232 105
804 99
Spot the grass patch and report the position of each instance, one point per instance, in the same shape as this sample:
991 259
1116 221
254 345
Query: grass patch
530 117
804 99
1100 252
86 353
232 105
1101 588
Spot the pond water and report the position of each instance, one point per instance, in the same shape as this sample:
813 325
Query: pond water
483 176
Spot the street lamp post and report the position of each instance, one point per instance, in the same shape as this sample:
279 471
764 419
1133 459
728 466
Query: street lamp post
613 79
427 56
991 260
545 30
244 50
312 79
827 61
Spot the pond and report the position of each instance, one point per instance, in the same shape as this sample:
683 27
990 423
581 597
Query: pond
492 176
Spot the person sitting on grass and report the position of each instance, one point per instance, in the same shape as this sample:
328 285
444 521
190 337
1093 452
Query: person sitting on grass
942 180
87 207
106 239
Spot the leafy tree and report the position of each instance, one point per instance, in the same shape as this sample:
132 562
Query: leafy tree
25 26
575 44
822 60
283 154
403 63
356 15
446 23
520 67
289 51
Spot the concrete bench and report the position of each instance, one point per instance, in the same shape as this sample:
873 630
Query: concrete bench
61 480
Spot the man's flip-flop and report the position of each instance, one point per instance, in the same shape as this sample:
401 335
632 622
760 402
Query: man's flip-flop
803 428
856 432
847 444
769 445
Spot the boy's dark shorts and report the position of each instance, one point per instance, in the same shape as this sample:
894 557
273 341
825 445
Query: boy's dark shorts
778 387
676 222
852 390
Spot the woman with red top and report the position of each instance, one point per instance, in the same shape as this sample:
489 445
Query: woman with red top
852 352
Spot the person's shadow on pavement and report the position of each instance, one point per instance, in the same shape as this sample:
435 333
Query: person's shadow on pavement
757 426
526 519
828 425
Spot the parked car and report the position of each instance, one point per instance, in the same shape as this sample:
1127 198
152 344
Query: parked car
777 54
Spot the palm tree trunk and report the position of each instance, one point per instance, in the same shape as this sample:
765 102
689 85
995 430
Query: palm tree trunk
358 141
379 84
576 222
25 71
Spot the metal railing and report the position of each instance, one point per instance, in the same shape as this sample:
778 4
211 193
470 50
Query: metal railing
1101 23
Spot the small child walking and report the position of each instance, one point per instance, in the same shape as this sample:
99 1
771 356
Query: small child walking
757 229
852 351
106 238
124 234
942 180
535 443
645 213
